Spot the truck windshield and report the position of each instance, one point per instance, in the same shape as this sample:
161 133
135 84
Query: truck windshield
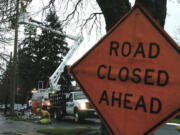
79 95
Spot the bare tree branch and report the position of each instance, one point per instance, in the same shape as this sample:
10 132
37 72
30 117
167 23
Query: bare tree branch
72 14
83 15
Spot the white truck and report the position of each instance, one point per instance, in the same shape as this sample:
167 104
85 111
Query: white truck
71 103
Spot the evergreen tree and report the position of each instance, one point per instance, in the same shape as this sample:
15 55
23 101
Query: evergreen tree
6 85
26 66
51 48
40 55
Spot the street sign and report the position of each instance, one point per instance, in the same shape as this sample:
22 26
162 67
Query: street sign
132 75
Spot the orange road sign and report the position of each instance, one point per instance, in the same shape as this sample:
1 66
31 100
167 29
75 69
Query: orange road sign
132 75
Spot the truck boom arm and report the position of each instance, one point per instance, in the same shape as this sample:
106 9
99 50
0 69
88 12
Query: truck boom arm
38 24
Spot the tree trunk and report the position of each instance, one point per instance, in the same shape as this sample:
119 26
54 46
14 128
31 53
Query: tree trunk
6 104
113 10
157 9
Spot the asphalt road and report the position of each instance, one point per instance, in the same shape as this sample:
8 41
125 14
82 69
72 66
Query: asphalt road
9 127
167 130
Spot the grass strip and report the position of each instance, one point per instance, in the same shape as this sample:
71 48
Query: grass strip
62 131
176 120
15 118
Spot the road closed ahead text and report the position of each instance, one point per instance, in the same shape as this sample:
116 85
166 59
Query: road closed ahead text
148 76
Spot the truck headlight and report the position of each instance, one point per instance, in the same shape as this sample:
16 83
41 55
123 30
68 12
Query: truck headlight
82 106
48 103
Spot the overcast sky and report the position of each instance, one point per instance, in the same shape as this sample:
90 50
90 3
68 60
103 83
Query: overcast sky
171 25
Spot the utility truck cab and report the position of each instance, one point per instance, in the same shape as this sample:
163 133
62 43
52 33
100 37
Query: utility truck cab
78 105
71 103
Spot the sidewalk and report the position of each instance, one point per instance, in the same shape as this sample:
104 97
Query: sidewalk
10 127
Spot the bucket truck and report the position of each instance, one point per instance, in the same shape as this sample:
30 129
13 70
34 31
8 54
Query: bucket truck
64 102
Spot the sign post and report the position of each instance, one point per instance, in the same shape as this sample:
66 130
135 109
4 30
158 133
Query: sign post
132 75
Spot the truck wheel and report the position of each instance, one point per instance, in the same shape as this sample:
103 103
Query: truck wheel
77 117
55 115
60 114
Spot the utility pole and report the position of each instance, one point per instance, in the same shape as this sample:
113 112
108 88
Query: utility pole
14 87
